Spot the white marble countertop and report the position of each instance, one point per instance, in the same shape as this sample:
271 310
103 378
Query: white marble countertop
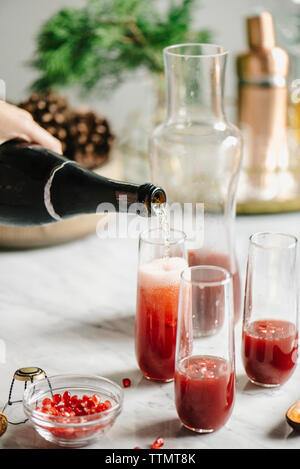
71 308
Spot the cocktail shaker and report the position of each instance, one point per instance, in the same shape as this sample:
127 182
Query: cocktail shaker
266 183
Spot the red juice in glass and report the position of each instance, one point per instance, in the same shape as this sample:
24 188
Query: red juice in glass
156 316
204 392
270 349
204 257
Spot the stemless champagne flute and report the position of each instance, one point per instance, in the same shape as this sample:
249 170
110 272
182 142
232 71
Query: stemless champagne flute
270 329
161 262
205 365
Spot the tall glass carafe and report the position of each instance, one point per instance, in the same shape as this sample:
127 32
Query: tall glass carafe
195 154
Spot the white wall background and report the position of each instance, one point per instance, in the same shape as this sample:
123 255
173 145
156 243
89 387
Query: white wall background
20 21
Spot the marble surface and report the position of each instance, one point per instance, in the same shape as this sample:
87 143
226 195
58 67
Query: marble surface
71 308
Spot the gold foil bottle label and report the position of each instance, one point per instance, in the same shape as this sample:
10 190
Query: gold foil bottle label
30 373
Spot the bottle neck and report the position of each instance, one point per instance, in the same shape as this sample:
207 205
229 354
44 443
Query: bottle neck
195 83
89 192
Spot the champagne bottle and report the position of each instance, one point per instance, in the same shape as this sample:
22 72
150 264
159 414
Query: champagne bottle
38 186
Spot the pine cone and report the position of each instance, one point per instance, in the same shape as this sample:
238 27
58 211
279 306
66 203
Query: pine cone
51 112
85 136
91 139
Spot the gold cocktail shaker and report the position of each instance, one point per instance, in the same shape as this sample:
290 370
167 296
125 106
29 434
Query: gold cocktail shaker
267 183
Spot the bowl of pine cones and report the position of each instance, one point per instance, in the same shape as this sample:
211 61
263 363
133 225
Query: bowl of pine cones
86 138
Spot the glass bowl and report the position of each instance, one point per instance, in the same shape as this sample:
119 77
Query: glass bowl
72 431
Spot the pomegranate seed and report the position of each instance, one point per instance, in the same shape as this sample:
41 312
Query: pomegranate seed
158 443
126 383
56 399
101 407
47 402
60 408
95 399
70 406
66 396
74 400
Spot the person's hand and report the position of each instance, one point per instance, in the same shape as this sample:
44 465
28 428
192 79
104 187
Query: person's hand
18 123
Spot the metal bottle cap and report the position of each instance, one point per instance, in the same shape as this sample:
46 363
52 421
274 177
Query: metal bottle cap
30 373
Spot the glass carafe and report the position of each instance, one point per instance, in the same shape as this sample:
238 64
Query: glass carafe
195 154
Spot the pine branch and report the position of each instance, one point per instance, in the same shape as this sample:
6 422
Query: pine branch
104 41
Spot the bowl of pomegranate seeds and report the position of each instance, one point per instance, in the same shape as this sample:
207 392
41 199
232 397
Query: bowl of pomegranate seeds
72 410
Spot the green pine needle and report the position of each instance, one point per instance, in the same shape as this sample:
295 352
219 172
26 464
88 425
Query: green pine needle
104 41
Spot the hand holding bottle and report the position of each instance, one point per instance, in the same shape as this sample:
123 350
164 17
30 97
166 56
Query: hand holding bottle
18 123
38 186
